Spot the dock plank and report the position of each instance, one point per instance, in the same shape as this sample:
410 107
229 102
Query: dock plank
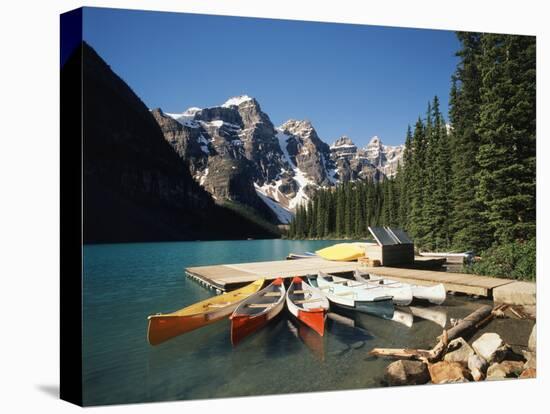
229 276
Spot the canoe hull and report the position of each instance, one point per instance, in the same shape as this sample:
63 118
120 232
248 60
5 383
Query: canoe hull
342 252
381 308
314 318
433 294
257 310
161 328
245 325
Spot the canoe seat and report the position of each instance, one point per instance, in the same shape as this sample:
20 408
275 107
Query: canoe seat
272 294
259 305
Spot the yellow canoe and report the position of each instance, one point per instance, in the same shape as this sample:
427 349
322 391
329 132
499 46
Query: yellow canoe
165 326
342 252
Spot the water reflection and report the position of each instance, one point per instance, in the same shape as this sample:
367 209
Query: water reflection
311 339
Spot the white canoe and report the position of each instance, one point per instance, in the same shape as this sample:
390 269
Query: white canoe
433 294
308 304
401 293
348 294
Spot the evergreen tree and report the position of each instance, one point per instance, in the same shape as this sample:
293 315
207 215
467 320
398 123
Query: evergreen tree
340 207
417 174
358 211
403 176
506 128
467 225
348 211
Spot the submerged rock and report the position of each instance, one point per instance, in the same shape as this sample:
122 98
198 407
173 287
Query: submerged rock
339 350
357 345
446 372
505 369
477 366
460 351
405 372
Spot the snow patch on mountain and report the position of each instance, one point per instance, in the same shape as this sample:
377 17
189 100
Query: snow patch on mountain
236 101
284 215
186 118
299 175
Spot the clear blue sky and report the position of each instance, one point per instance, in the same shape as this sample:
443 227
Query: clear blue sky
350 80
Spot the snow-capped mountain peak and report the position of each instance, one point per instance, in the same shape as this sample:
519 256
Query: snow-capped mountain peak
236 101
191 111
343 142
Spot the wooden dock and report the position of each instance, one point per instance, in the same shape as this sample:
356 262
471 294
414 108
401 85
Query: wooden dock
230 276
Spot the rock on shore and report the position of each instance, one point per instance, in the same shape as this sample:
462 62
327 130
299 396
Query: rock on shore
404 372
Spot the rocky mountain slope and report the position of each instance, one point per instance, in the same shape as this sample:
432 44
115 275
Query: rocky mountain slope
234 152
136 186
374 161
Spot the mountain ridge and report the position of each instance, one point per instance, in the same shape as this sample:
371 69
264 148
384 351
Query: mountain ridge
278 167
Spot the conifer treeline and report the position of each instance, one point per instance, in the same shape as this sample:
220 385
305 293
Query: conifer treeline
347 210
466 185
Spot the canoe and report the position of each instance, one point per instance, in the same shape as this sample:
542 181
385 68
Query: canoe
257 310
342 252
296 256
307 304
401 293
162 327
433 294
343 293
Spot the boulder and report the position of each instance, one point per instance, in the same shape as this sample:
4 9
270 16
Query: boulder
445 372
505 369
405 372
529 373
460 351
477 366
491 347
532 344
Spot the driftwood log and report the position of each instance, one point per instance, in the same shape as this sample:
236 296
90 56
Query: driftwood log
470 323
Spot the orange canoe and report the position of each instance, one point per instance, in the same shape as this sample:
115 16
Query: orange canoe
165 326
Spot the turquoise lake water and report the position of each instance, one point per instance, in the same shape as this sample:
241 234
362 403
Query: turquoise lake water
124 283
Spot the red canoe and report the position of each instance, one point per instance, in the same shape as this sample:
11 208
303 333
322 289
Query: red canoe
308 304
257 310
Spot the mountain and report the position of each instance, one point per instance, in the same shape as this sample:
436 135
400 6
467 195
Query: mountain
374 161
234 152
136 186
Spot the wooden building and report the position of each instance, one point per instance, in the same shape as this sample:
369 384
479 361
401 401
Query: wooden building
392 247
